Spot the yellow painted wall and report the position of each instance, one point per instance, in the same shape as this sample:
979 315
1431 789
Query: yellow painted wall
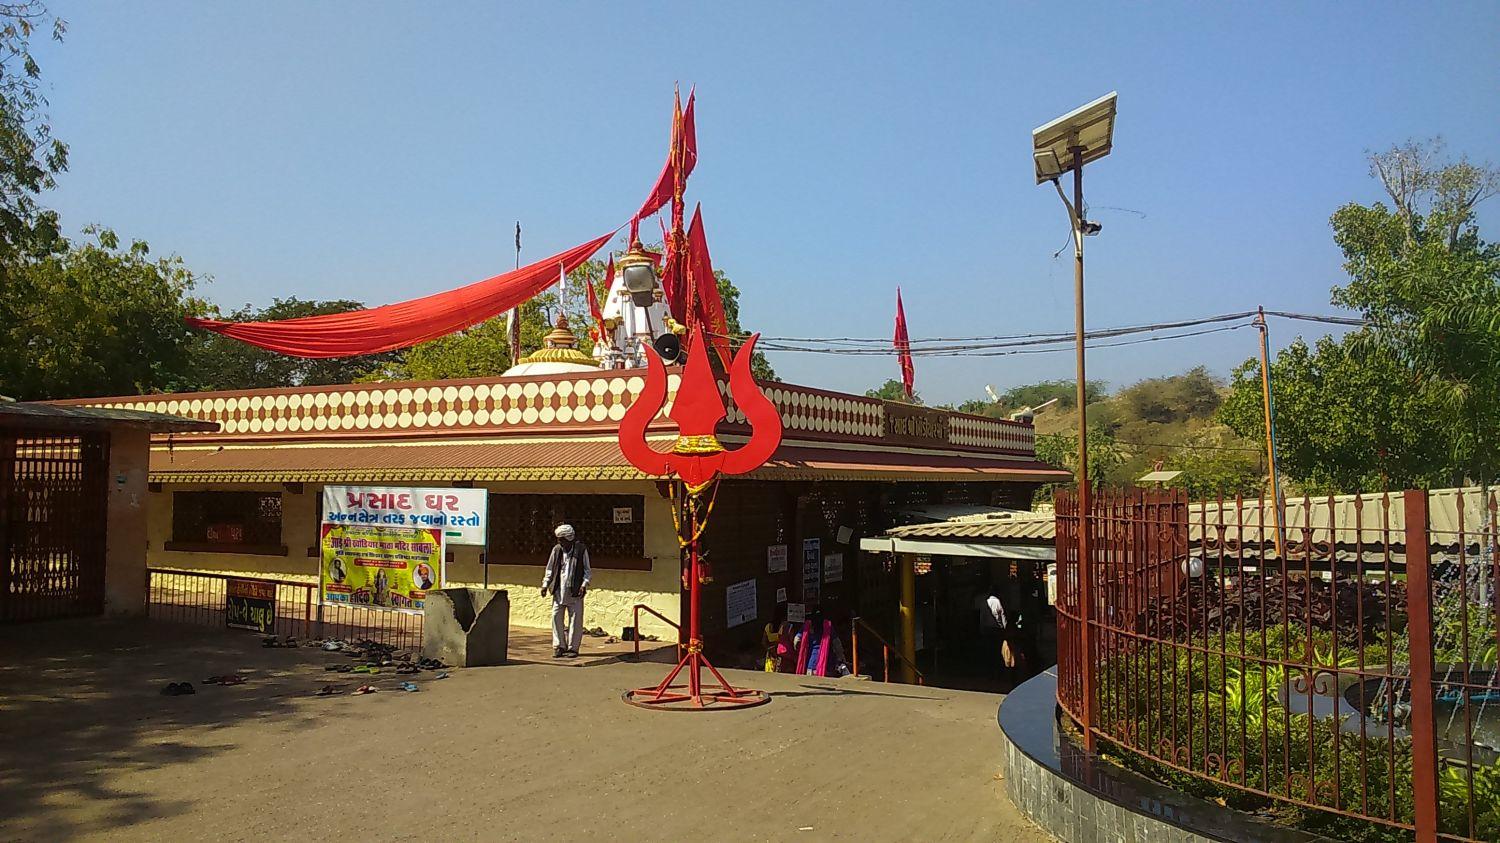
608 605
125 526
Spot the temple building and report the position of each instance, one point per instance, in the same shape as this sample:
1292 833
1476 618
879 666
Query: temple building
541 439
247 497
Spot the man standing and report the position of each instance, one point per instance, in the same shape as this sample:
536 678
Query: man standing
567 579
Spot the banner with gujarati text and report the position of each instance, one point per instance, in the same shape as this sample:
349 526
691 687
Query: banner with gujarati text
380 567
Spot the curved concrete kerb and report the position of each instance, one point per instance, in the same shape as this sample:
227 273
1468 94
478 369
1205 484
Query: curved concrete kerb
1079 798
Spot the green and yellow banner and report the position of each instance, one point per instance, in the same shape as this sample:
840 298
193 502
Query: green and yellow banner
380 567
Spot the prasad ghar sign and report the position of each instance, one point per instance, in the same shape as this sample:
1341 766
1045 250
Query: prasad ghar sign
460 513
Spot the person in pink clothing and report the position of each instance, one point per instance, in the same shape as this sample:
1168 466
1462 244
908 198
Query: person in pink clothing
819 651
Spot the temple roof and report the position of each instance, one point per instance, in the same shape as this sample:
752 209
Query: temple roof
554 426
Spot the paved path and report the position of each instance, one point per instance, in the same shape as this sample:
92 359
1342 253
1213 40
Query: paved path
89 749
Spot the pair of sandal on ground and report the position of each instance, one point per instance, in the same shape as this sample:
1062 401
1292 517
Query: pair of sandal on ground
331 690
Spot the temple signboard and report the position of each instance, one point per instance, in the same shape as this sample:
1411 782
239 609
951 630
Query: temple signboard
909 425
460 513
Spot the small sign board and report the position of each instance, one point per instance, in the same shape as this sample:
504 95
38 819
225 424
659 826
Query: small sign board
776 559
833 567
781 595
739 602
250 604
624 515
796 612
845 534
812 570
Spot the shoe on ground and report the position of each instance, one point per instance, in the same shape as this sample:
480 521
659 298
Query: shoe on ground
558 653
572 654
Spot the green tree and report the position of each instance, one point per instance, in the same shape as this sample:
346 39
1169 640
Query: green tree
1216 462
1036 394
30 157
1061 450
1408 400
1192 395
1429 284
892 390
218 362
1349 417
94 319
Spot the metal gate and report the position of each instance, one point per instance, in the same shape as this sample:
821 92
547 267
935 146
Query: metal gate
53 500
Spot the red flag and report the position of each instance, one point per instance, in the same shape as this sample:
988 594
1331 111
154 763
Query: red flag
684 146
708 306
903 348
673 279
405 323
594 309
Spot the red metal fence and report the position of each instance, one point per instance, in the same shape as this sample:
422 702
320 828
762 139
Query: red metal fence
199 598
1351 680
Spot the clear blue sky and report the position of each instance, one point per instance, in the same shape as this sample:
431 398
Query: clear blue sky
379 151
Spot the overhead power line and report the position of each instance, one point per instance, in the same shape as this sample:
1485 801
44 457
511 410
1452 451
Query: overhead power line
1032 343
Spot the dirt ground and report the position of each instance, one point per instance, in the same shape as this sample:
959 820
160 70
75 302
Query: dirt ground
89 748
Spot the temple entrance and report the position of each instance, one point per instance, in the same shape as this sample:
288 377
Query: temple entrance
53 501
959 645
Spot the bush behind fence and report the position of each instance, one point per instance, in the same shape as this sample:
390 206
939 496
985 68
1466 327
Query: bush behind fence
1338 669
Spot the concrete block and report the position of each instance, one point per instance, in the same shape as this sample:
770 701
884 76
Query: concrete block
466 627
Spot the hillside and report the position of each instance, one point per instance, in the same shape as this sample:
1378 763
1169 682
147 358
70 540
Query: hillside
1171 420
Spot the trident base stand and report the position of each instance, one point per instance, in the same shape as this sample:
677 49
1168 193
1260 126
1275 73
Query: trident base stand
694 695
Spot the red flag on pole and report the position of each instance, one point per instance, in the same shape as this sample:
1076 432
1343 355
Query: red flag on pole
686 134
903 348
594 309
673 279
709 306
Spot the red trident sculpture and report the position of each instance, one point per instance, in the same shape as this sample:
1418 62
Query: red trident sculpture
696 461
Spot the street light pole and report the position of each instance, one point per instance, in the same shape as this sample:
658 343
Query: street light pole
1085 568
1077 138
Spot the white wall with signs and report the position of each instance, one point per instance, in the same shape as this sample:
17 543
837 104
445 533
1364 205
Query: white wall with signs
462 513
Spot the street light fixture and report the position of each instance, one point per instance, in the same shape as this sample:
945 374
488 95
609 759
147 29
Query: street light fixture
638 271
1068 143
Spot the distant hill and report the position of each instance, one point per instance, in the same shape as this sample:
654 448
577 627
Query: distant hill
1171 420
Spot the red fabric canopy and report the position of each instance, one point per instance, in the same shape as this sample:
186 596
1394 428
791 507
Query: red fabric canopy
405 323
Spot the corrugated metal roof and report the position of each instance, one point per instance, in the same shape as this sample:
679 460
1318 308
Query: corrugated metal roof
1348 520
32 415
1011 526
1345 519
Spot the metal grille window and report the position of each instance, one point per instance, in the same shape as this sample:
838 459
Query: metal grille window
52 524
613 527
231 522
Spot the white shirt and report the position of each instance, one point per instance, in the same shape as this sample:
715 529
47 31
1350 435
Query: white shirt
994 618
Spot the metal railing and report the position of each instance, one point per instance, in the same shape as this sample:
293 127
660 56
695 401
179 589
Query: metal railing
659 616
885 650
1352 679
199 598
